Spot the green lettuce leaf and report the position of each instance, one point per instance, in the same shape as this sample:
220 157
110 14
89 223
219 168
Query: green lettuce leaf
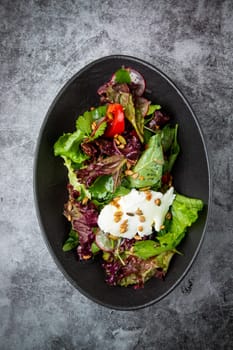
149 166
184 213
68 146
81 188
173 149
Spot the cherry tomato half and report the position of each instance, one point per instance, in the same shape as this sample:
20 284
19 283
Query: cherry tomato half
116 120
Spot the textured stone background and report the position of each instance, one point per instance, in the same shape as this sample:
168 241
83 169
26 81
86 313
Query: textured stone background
43 43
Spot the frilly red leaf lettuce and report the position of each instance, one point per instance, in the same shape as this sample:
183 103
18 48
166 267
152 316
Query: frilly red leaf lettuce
83 219
102 166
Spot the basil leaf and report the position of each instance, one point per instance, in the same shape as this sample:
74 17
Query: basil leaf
71 242
149 166
122 76
147 249
152 109
99 112
167 137
94 248
121 191
173 153
147 134
102 188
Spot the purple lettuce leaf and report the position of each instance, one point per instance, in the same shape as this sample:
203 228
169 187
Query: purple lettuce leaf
102 166
142 105
159 119
133 270
133 147
83 218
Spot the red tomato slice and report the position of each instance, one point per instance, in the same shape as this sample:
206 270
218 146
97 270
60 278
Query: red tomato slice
116 120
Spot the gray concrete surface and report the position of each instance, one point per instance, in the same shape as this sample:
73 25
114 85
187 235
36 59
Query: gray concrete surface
43 43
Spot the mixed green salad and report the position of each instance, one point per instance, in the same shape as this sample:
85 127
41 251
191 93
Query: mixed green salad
122 205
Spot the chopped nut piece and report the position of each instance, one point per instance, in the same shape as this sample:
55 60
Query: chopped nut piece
144 189
137 237
141 178
135 175
124 226
69 207
125 222
69 217
140 228
170 181
85 200
122 139
130 214
115 203
93 126
139 212
128 165
117 218
142 218
118 213
162 227
148 195
86 257
169 216
129 172
158 201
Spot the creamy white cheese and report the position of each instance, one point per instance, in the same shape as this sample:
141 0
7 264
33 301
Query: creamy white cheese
137 212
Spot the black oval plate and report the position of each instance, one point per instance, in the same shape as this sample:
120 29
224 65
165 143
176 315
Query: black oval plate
191 178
